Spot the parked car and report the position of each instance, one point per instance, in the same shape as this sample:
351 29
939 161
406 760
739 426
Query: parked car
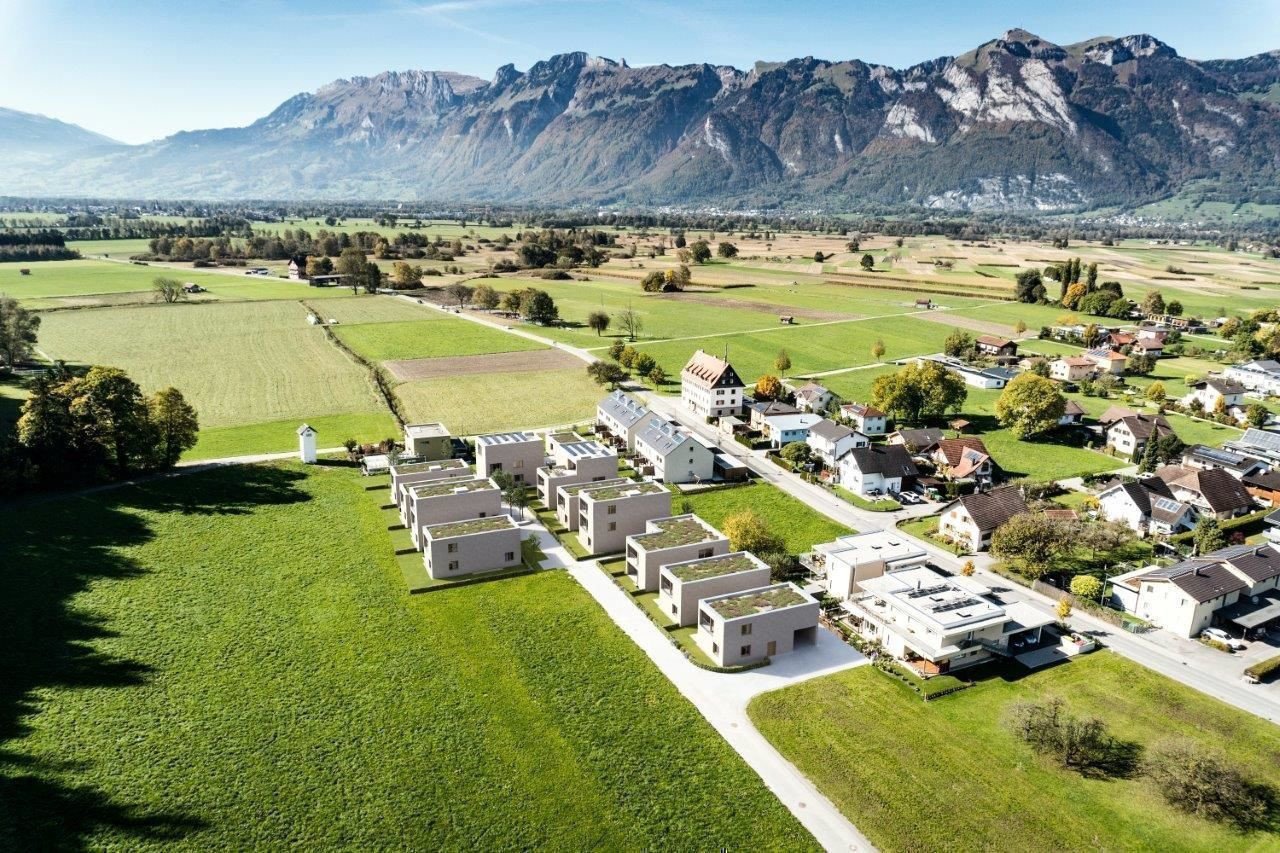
1222 636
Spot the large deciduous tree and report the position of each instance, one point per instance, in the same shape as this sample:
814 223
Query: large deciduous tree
1030 405
175 423
18 330
917 391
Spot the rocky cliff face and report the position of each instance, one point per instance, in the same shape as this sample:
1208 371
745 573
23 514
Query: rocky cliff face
1018 123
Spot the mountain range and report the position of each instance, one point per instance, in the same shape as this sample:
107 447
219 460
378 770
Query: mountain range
1019 123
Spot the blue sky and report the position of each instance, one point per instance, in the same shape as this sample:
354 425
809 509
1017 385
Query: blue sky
141 69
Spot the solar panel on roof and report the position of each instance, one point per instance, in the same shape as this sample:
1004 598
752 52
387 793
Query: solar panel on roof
1166 504
1261 438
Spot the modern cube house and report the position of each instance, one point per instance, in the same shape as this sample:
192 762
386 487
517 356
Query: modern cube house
574 461
747 627
428 441
411 473
567 500
458 548
607 515
670 540
682 586
450 500
519 454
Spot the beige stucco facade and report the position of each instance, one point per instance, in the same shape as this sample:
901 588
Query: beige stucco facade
607 515
519 454
449 551
646 554
449 500
403 476
679 593
428 441
760 634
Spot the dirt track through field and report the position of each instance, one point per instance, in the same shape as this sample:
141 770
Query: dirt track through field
794 311
469 365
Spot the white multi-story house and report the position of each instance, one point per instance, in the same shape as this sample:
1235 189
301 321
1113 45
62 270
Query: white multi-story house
1235 587
676 454
1108 360
866 419
849 560
620 417
1129 434
519 454
1260 376
1147 507
710 387
574 460
1208 393
1072 368
812 397
939 624
971 519
883 468
784 429
830 441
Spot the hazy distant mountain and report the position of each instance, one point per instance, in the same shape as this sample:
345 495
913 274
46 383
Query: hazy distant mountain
27 137
1018 123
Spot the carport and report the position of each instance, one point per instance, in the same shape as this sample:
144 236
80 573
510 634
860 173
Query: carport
1256 613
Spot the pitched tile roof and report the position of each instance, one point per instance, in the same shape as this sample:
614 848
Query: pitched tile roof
710 371
920 439
991 509
830 430
1145 426
993 341
1200 579
662 435
1073 408
622 408
952 449
1222 386
1221 491
862 410
888 460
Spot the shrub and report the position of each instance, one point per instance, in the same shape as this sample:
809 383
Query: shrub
1079 744
1201 782
1086 586
1264 668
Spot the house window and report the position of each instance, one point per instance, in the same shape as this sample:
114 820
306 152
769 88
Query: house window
715 648
453 565
519 463
511 555
453 547
613 525
612 510
744 651
483 514
746 629
705 552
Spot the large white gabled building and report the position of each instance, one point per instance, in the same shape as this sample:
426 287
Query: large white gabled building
676 454
710 387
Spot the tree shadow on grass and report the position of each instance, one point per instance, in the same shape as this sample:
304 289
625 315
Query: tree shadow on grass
50 553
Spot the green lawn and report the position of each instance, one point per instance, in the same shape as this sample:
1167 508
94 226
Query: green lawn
230 661
816 348
492 402
800 526
364 427
949 774
429 337
243 363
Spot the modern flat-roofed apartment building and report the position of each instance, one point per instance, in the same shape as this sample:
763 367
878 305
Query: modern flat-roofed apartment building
749 626
519 454
681 586
670 540
567 500
607 515
428 441
574 460
474 545
407 474
450 500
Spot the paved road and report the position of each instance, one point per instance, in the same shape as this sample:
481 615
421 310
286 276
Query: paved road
722 699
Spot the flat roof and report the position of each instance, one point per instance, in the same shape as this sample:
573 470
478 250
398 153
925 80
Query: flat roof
416 467
714 567
871 547
628 489
433 430
575 488
507 438
452 529
676 531
738 604
586 448
452 486
933 598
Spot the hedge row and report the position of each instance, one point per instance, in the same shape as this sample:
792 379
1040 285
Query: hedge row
1264 668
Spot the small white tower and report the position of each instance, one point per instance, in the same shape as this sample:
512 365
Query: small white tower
307 444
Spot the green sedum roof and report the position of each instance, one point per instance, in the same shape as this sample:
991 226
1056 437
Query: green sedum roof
450 529
674 532
624 490
451 487
714 567
757 601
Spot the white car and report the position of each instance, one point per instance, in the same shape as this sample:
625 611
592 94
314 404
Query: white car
1223 637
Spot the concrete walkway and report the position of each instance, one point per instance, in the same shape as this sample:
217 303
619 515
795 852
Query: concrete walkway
722 699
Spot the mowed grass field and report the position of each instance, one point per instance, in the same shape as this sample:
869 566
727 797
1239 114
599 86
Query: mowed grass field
229 660
430 337
494 402
243 363
800 526
949 775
